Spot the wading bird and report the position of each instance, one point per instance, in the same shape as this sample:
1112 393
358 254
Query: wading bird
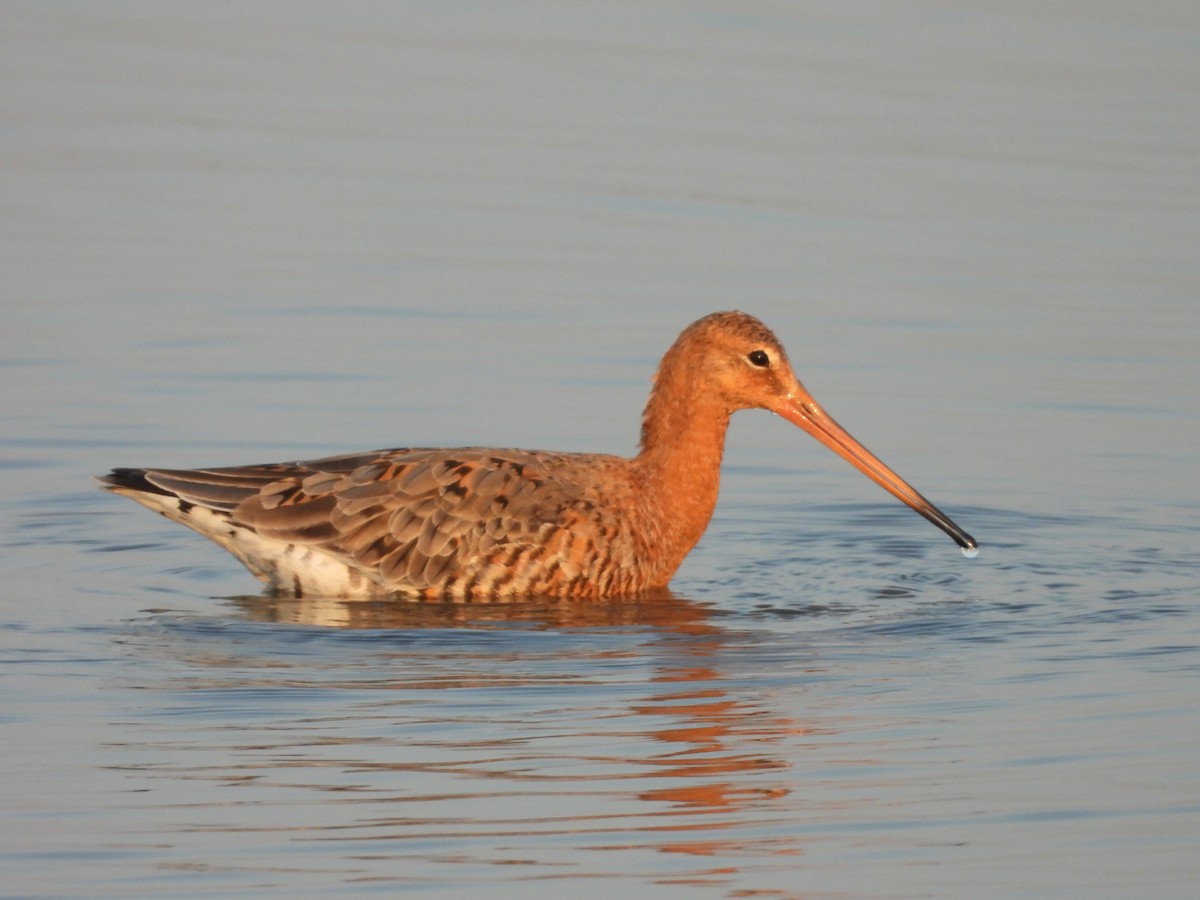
475 522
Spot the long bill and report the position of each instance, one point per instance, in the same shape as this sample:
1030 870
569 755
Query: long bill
801 410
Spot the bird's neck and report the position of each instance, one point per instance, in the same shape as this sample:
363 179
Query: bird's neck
683 439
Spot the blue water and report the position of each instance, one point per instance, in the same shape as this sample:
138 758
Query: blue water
272 232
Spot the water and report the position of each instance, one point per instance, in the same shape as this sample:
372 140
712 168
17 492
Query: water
251 233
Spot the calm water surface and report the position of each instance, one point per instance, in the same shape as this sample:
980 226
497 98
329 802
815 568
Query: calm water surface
237 234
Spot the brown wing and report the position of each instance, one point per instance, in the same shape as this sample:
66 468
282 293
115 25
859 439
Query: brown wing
413 519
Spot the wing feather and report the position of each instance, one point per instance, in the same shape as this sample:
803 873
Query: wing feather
409 519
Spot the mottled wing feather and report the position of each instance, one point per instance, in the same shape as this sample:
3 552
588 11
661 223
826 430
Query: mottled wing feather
466 522
417 520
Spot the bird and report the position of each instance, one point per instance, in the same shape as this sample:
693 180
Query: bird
478 523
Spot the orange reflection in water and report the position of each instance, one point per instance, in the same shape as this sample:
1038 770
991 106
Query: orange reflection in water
699 747
656 609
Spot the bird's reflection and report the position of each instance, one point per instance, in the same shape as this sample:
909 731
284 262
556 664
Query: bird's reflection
657 609
693 748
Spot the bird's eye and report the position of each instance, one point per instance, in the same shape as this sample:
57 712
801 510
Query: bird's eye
759 358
